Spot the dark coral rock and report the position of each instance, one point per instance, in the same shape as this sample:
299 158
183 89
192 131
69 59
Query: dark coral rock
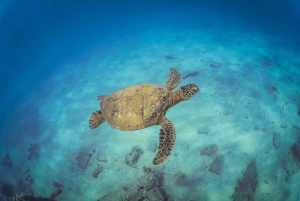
247 185
132 157
7 189
215 64
266 63
273 89
209 150
32 198
7 162
287 168
149 181
147 170
295 149
33 151
283 125
56 185
192 74
31 181
169 57
56 193
154 194
296 126
147 187
256 128
97 171
276 140
217 166
139 150
203 130
27 171
83 159
103 153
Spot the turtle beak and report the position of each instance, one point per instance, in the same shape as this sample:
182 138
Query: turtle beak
195 89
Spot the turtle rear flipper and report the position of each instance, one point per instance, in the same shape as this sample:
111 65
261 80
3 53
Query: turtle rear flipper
173 79
96 119
167 138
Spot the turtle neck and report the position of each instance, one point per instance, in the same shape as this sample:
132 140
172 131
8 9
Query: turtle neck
175 97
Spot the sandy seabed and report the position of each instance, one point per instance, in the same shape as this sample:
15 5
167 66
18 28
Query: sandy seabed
253 94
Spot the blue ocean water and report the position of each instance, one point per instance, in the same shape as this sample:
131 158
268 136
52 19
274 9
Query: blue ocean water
237 139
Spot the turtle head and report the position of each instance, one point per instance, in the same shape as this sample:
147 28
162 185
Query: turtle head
189 91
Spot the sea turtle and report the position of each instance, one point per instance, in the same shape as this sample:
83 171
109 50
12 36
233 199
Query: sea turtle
145 105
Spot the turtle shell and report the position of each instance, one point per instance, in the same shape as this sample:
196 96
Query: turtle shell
135 107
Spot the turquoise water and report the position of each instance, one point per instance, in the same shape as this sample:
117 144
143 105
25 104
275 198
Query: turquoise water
237 139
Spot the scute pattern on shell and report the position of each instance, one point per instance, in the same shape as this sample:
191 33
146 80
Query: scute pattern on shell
135 107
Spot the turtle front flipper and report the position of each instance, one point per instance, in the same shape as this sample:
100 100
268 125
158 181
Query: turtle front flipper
173 79
96 119
167 138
